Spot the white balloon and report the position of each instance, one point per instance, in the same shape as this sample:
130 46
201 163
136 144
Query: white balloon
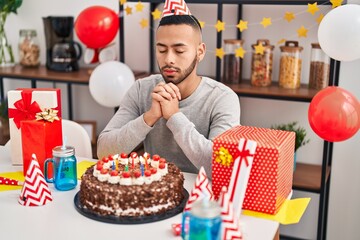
109 83
339 33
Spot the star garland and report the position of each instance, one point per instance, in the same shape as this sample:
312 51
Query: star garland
312 8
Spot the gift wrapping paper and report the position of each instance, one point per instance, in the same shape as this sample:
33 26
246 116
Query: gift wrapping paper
23 104
271 175
39 138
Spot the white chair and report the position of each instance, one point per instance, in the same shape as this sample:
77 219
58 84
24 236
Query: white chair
77 137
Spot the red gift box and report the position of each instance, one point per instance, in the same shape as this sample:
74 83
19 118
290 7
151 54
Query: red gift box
24 103
40 137
271 175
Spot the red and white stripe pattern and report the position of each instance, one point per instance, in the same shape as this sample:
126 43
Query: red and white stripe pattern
35 191
175 7
202 189
230 228
9 181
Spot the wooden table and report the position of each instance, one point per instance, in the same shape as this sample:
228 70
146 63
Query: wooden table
43 74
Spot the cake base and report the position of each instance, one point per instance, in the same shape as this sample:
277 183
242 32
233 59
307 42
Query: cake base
130 219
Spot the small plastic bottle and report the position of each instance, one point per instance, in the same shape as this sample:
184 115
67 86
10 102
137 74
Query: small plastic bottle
261 64
29 50
290 65
232 64
319 68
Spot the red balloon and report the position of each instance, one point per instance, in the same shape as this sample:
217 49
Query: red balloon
334 114
96 26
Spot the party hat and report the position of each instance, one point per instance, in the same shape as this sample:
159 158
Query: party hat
35 191
202 189
230 228
175 7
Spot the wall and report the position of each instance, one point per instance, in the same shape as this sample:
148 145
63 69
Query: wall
344 209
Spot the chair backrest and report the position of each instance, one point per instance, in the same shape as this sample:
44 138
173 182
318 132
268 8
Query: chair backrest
77 137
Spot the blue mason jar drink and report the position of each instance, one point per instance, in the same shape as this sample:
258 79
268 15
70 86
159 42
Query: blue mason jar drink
202 222
64 165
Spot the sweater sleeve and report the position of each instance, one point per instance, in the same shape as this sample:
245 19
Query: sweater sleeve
197 147
126 129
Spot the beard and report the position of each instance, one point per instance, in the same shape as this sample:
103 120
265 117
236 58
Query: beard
183 74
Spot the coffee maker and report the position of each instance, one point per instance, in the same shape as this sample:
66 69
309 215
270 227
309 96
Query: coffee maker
62 52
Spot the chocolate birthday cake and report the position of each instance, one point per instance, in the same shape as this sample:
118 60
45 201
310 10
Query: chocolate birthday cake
131 186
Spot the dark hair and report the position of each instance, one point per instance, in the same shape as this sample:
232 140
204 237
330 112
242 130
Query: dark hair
181 19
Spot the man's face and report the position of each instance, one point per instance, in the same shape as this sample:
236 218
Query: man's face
177 49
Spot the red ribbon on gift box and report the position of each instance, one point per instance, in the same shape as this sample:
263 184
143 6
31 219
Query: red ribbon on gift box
243 155
24 108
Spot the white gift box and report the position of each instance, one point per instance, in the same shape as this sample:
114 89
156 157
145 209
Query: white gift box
21 102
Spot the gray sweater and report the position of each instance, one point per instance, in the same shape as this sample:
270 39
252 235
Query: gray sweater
186 138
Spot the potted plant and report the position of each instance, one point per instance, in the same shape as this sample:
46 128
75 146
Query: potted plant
6 53
300 135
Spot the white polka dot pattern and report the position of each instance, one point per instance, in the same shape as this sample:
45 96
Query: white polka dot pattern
271 176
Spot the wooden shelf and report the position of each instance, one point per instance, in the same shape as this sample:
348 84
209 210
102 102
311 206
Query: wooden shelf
302 94
41 73
307 177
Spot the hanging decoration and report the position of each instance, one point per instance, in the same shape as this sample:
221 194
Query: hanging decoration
266 22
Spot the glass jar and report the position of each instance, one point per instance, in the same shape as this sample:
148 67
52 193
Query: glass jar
290 65
261 64
232 64
319 67
29 50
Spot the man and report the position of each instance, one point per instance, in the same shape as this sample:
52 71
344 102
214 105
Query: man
177 113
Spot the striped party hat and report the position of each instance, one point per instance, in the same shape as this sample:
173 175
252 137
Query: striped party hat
175 7
35 191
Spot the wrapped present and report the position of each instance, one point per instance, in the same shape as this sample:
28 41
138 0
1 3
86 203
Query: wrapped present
39 137
232 163
270 180
23 105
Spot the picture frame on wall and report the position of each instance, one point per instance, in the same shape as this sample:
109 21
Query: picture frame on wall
90 128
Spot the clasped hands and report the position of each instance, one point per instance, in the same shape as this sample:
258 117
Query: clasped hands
165 102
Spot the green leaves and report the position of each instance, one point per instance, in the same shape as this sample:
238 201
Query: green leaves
10 6
299 131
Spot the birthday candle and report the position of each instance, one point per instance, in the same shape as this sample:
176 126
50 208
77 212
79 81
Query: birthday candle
142 169
116 165
146 156
113 165
126 168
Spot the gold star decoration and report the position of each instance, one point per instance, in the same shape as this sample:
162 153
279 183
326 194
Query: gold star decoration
266 22
336 3
259 49
139 7
122 2
144 23
289 16
219 53
242 25
220 26
128 10
320 18
312 8
302 32
202 24
240 52
281 41
156 14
